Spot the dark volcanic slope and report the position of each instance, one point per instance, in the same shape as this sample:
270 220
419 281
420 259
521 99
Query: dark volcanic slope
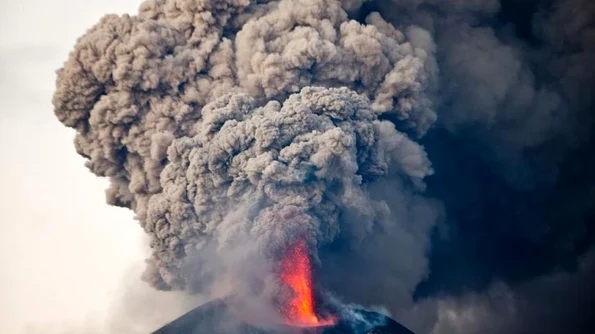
385 325
212 317
215 318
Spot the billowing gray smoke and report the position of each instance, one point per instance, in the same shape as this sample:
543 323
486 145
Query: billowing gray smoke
195 108
234 127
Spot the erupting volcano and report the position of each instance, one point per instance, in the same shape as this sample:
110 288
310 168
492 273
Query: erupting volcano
298 308
296 275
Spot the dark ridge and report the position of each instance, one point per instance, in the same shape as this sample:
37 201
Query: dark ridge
207 318
215 318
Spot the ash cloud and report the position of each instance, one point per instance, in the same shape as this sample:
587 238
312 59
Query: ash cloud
560 302
425 148
194 108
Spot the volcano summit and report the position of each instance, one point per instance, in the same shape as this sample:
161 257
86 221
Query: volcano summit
216 318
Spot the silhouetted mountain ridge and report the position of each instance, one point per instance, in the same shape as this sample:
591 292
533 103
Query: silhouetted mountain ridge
215 317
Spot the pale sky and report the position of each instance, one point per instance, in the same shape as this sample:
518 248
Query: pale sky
68 261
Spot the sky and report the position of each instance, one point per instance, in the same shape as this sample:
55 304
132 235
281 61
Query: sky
56 272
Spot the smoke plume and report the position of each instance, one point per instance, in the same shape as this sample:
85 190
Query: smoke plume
234 127
192 112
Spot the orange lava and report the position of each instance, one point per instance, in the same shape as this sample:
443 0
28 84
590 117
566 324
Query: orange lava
297 275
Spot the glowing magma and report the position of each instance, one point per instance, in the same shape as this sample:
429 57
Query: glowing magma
296 273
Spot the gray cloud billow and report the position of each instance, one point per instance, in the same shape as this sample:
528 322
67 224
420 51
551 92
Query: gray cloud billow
424 149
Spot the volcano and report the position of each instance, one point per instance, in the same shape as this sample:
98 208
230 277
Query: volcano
215 317
298 311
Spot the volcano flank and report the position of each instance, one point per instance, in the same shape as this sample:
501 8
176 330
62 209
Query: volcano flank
216 317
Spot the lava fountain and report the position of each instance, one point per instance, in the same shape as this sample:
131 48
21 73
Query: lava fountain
296 274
